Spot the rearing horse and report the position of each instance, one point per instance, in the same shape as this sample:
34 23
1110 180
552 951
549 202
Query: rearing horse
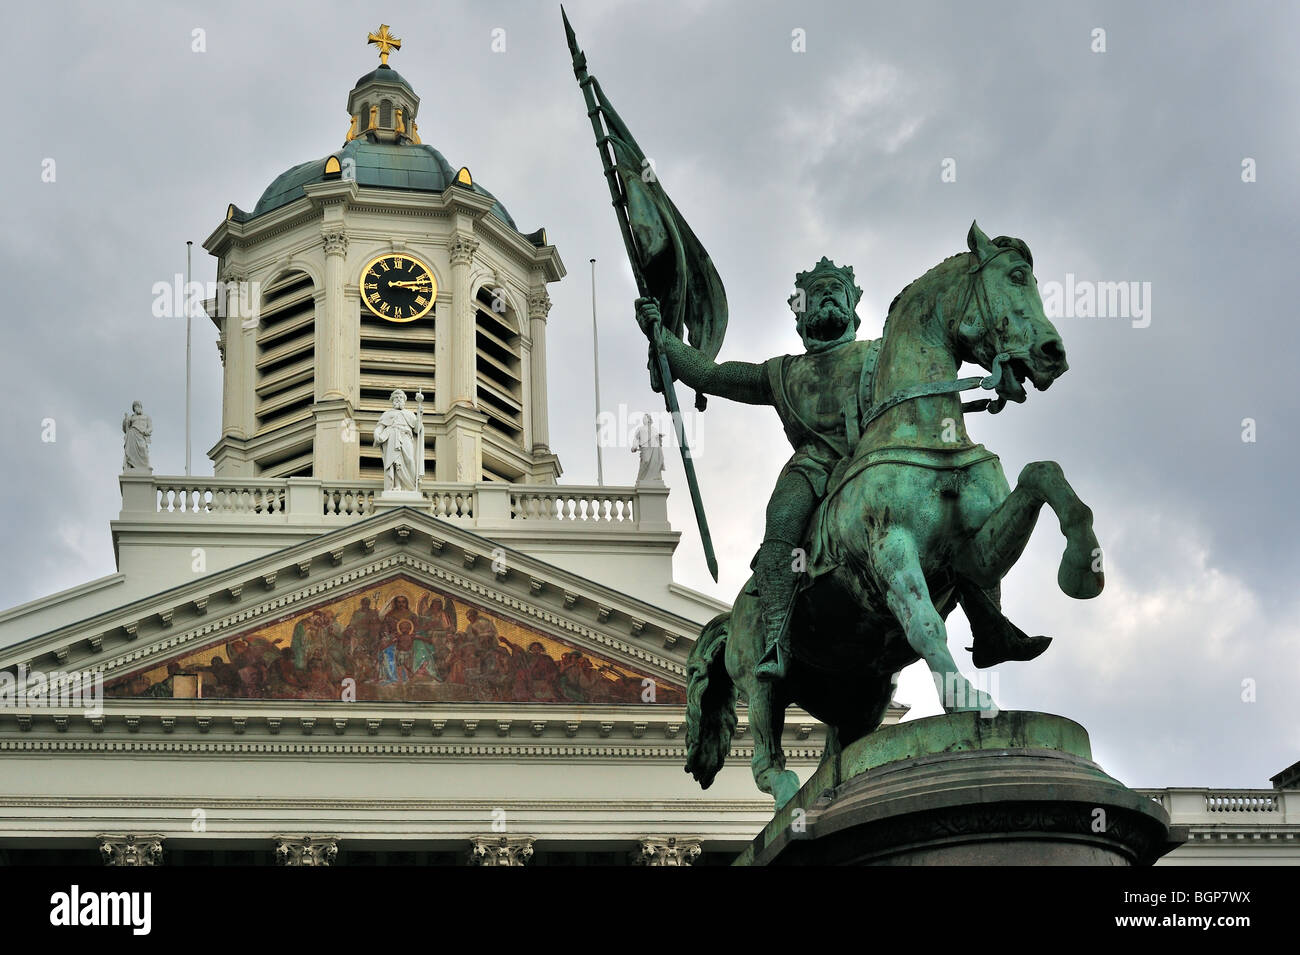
917 517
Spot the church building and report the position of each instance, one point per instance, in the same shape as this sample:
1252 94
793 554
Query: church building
383 631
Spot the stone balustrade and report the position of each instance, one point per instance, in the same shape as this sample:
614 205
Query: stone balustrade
590 504
297 501
1228 806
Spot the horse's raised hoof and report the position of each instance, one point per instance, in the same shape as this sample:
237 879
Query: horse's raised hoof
1076 576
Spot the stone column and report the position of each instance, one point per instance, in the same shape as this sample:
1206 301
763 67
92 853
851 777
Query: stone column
231 347
670 851
443 337
131 850
241 302
331 333
539 306
464 354
501 850
320 850
336 451
458 446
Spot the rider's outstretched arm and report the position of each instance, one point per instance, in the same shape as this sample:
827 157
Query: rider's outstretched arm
737 380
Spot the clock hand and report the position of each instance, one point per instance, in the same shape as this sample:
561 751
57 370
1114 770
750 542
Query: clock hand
418 283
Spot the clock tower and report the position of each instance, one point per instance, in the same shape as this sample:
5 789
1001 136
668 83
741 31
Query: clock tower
381 267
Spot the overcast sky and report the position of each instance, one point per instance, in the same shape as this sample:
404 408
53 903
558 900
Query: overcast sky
1117 166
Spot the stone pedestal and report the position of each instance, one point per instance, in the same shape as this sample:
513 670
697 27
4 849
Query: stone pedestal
1018 789
399 499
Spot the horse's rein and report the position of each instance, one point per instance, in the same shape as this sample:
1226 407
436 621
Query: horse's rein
988 382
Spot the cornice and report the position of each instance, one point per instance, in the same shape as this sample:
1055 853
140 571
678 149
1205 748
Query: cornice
461 807
506 750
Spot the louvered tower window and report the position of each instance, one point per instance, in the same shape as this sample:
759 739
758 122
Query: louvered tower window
285 367
499 377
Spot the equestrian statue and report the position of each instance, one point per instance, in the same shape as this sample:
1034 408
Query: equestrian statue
887 515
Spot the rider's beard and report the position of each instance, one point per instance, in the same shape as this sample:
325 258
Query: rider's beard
826 323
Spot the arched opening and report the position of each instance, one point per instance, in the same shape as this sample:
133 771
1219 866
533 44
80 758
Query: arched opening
285 350
498 369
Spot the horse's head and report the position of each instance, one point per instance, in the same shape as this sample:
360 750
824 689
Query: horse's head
1001 317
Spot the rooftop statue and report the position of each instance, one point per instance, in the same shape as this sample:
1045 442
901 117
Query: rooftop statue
647 443
887 515
137 429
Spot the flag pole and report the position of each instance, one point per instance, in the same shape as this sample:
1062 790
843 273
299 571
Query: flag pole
660 365
189 321
419 430
595 360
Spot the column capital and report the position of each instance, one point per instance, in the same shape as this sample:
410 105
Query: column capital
131 850
335 242
308 850
539 304
501 850
670 851
462 248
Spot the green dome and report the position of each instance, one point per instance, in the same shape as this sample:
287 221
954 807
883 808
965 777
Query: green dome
418 168
385 74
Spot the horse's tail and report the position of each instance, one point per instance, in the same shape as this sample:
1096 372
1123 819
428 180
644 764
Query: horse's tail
710 702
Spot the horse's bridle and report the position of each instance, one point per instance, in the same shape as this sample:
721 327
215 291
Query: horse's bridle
989 382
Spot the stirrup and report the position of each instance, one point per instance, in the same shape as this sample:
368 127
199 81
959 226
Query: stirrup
773 665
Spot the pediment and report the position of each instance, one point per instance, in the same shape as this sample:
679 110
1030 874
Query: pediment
395 639
544 634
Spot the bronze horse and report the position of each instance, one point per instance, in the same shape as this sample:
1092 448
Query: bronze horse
917 516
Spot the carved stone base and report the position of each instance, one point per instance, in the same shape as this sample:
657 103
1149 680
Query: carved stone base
1018 789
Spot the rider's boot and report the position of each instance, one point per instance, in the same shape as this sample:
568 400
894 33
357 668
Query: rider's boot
777 580
996 639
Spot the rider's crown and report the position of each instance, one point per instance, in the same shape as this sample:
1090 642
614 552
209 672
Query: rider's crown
843 274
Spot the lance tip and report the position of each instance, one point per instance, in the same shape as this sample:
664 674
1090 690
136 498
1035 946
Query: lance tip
568 32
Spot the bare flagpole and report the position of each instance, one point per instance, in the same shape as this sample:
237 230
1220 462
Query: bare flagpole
595 347
419 441
189 319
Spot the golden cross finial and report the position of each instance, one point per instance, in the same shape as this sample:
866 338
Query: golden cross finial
385 41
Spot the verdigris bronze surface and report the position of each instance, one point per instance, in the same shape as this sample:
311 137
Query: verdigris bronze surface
887 515
908 515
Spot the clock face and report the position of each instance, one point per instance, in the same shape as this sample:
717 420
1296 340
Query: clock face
398 287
